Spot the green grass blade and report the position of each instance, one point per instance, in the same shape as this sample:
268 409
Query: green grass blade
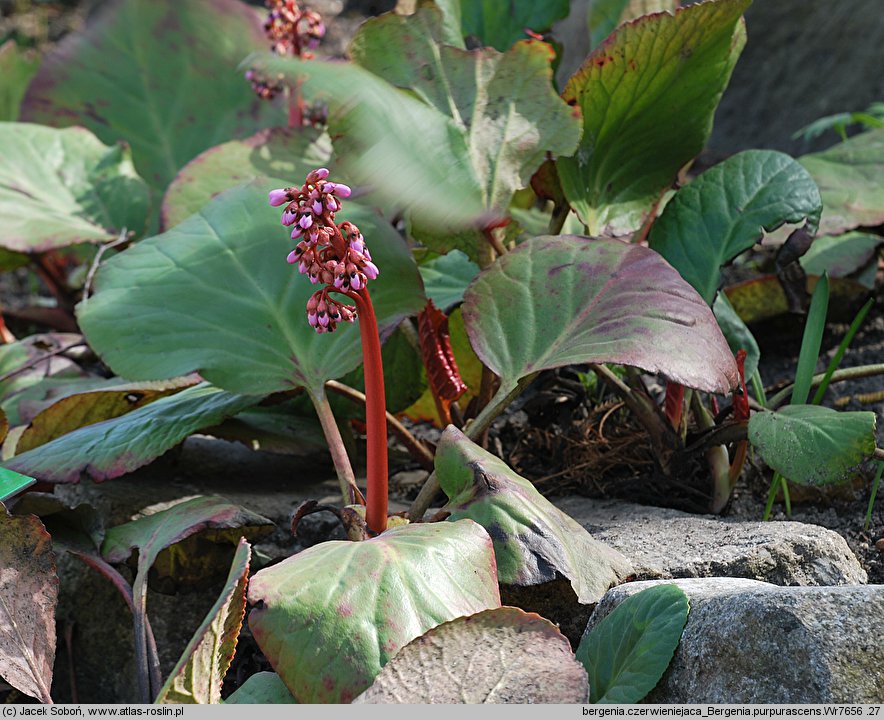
875 483
758 388
842 348
810 343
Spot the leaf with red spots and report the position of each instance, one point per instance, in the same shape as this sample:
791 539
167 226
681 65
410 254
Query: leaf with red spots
648 95
534 541
160 76
28 595
199 674
331 616
505 655
565 300
64 187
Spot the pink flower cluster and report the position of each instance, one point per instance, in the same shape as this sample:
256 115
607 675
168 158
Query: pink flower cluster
331 254
293 31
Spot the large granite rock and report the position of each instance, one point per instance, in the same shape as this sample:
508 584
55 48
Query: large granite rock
665 543
752 642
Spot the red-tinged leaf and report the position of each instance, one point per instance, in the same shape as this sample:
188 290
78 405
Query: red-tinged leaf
331 616
673 405
505 655
28 595
199 674
443 376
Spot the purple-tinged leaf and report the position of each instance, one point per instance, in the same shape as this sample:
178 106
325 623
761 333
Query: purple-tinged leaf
726 210
199 674
534 541
279 153
112 448
159 76
330 617
648 95
850 177
505 655
28 595
557 301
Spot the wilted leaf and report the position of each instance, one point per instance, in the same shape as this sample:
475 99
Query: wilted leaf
627 653
28 595
82 409
850 176
17 67
78 528
63 187
842 255
161 76
215 294
263 688
813 445
557 301
284 154
447 277
726 211
115 447
331 616
199 674
534 541
648 95
503 655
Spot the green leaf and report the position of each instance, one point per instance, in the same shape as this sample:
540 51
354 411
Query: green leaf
727 210
738 336
17 67
215 294
446 278
840 256
263 688
565 300
627 653
333 615
115 447
648 96
12 483
534 541
813 445
161 76
850 176
28 597
501 24
199 674
606 15
63 187
504 655
284 154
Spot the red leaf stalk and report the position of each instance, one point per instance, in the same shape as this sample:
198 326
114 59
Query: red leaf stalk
375 413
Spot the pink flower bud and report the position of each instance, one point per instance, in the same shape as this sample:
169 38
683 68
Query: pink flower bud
356 282
316 175
296 232
317 207
288 218
293 257
278 197
371 270
339 189
306 221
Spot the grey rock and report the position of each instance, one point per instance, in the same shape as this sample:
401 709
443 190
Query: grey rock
665 543
752 642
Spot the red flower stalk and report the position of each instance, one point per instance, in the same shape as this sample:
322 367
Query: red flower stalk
337 257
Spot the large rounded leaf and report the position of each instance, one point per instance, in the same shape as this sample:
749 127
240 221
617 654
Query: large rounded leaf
330 617
160 75
561 300
496 656
280 153
813 445
215 294
534 541
28 595
63 187
727 210
500 24
648 95
851 179
627 653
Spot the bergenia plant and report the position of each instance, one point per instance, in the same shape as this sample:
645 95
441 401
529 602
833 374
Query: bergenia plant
336 257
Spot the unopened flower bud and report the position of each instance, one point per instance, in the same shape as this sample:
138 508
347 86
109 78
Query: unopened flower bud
278 197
